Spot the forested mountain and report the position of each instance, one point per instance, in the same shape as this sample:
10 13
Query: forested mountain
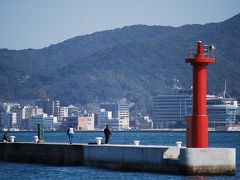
133 62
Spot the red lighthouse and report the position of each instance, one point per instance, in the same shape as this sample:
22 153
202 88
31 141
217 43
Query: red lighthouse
197 124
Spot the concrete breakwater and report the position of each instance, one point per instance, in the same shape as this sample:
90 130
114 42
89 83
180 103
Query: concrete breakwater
163 159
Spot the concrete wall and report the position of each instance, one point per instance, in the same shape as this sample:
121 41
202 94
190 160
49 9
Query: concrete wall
47 153
209 160
140 158
187 161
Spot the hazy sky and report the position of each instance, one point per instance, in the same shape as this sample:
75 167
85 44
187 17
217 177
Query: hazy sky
36 24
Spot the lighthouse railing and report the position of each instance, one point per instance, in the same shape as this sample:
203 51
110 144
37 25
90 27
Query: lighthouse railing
208 51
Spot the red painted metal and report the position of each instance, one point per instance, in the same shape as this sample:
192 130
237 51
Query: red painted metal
197 124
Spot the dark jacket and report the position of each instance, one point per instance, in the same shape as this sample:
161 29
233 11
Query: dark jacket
107 131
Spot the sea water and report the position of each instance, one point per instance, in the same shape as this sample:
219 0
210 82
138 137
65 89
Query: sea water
36 171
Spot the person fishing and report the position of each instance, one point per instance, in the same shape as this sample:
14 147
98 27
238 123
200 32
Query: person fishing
107 133
6 137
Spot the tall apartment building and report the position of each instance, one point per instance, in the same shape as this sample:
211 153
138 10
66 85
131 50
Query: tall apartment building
18 111
63 112
56 109
120 112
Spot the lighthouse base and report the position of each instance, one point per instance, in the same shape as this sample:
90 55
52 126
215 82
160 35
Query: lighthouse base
196 131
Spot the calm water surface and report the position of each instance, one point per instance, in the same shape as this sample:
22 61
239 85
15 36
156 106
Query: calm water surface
35 171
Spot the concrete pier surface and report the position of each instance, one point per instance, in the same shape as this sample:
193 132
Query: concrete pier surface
162 159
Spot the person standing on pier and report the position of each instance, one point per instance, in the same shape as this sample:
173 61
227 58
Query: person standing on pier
6 137
70 133
107 133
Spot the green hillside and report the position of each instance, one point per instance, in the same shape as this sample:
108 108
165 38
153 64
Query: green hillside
133 62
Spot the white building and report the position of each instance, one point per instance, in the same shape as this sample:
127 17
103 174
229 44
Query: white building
120 114
63 112
29 111
90 122
169 110
18 111
105 118
9 105
36 111
222 112
123 123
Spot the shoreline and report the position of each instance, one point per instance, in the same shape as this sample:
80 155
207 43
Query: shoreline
123 131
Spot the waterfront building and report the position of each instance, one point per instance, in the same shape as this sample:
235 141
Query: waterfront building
48 122
26 112
119 110
110 107
13 120
104 118
169 110
222 112
85 122
4 120
29 111
37 111
95 120
120 113
69 121
8 120
123 123
82 123
35 120
18 111
73 110
56 109
11 115
238 114
63 112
